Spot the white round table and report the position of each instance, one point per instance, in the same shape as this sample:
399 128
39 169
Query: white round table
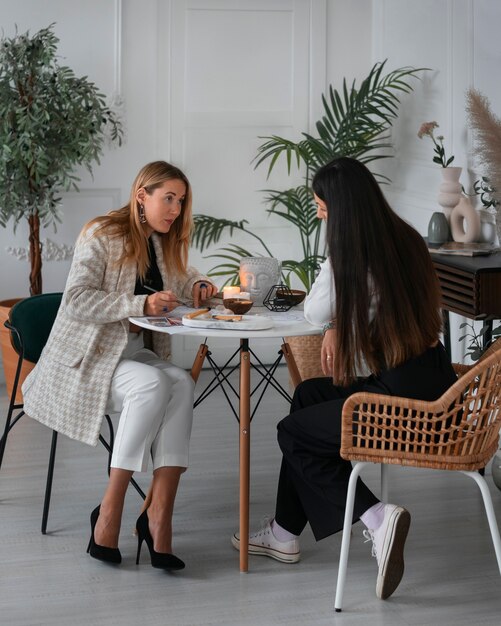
285 324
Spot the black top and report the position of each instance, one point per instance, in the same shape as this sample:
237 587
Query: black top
153 278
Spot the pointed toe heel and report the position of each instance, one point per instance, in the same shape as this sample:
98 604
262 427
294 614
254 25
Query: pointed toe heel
160 560
101 553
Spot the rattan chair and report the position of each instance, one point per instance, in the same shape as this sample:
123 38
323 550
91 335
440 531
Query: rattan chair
457 432
30 323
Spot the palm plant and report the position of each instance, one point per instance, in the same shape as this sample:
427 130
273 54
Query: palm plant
356 123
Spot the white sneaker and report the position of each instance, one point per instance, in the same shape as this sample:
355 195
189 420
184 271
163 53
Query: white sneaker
265 543
388 543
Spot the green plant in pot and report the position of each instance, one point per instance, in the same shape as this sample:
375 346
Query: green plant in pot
51 122
355 123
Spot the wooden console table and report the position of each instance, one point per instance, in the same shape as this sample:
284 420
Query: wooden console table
471 286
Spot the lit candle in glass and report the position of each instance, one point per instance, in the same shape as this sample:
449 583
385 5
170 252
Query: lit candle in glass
231 292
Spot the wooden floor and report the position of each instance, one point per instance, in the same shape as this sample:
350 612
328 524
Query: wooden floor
451 574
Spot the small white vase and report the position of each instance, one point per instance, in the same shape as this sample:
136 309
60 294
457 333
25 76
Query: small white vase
487 226
450 189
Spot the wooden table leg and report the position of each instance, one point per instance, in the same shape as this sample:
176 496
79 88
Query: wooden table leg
244 444
199 361
447 331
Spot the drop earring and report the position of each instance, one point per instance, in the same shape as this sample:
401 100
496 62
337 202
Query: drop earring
142 216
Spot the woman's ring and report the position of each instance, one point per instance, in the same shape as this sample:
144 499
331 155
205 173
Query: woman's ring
329 357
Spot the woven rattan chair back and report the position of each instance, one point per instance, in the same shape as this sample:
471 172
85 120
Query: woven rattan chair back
459 431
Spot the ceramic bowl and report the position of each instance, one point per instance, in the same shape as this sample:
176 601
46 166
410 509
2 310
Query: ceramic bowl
237 306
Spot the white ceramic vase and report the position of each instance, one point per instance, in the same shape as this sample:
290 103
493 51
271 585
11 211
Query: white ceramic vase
450 189
487 226
465 221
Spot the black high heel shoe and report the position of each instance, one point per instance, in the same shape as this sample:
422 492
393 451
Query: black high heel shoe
162 560
102 553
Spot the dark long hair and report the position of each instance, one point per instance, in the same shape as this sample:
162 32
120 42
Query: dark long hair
377 256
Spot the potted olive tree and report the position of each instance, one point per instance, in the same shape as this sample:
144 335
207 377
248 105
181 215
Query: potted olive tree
51 122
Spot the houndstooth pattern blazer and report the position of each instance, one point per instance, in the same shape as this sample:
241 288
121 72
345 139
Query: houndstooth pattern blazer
68 389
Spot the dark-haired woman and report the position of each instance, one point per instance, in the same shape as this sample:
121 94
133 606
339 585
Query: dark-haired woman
378 298
130 262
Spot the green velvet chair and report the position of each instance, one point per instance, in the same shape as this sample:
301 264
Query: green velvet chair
30 323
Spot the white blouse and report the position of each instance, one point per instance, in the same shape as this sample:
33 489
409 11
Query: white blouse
320 303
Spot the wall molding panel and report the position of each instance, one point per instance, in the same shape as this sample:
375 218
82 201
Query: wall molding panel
232 72
457 40
201 82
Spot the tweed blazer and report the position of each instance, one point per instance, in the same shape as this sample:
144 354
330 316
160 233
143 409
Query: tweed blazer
69 387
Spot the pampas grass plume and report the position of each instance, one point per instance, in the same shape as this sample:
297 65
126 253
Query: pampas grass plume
487 143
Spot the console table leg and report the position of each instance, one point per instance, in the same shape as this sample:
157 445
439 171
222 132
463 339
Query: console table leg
447 332
487 336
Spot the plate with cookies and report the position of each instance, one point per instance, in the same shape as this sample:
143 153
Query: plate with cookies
226 320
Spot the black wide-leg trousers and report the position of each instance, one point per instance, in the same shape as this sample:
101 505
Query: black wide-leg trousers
313 481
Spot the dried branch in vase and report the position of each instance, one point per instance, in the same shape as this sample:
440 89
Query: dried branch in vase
487 129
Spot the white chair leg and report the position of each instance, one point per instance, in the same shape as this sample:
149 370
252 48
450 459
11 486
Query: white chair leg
384 483
345 543
489 509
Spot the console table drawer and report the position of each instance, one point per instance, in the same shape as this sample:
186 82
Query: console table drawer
468 287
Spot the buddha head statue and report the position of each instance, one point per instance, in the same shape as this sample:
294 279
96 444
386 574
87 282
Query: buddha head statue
258 275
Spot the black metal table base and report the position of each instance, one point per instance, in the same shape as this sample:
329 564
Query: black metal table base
221 379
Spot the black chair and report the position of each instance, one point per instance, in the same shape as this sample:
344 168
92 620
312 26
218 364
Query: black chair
30 323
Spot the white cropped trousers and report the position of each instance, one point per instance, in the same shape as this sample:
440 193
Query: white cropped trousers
155 402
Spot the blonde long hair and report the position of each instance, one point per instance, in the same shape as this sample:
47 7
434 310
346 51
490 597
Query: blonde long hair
125 222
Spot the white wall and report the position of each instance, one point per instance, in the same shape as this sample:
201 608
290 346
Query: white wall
201 80
458 40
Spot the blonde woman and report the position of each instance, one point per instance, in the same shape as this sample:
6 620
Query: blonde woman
130 262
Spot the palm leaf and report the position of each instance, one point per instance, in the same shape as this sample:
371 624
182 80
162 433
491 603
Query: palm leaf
231 267
207 230
275 147
298 208
232 254
356 122
305 270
